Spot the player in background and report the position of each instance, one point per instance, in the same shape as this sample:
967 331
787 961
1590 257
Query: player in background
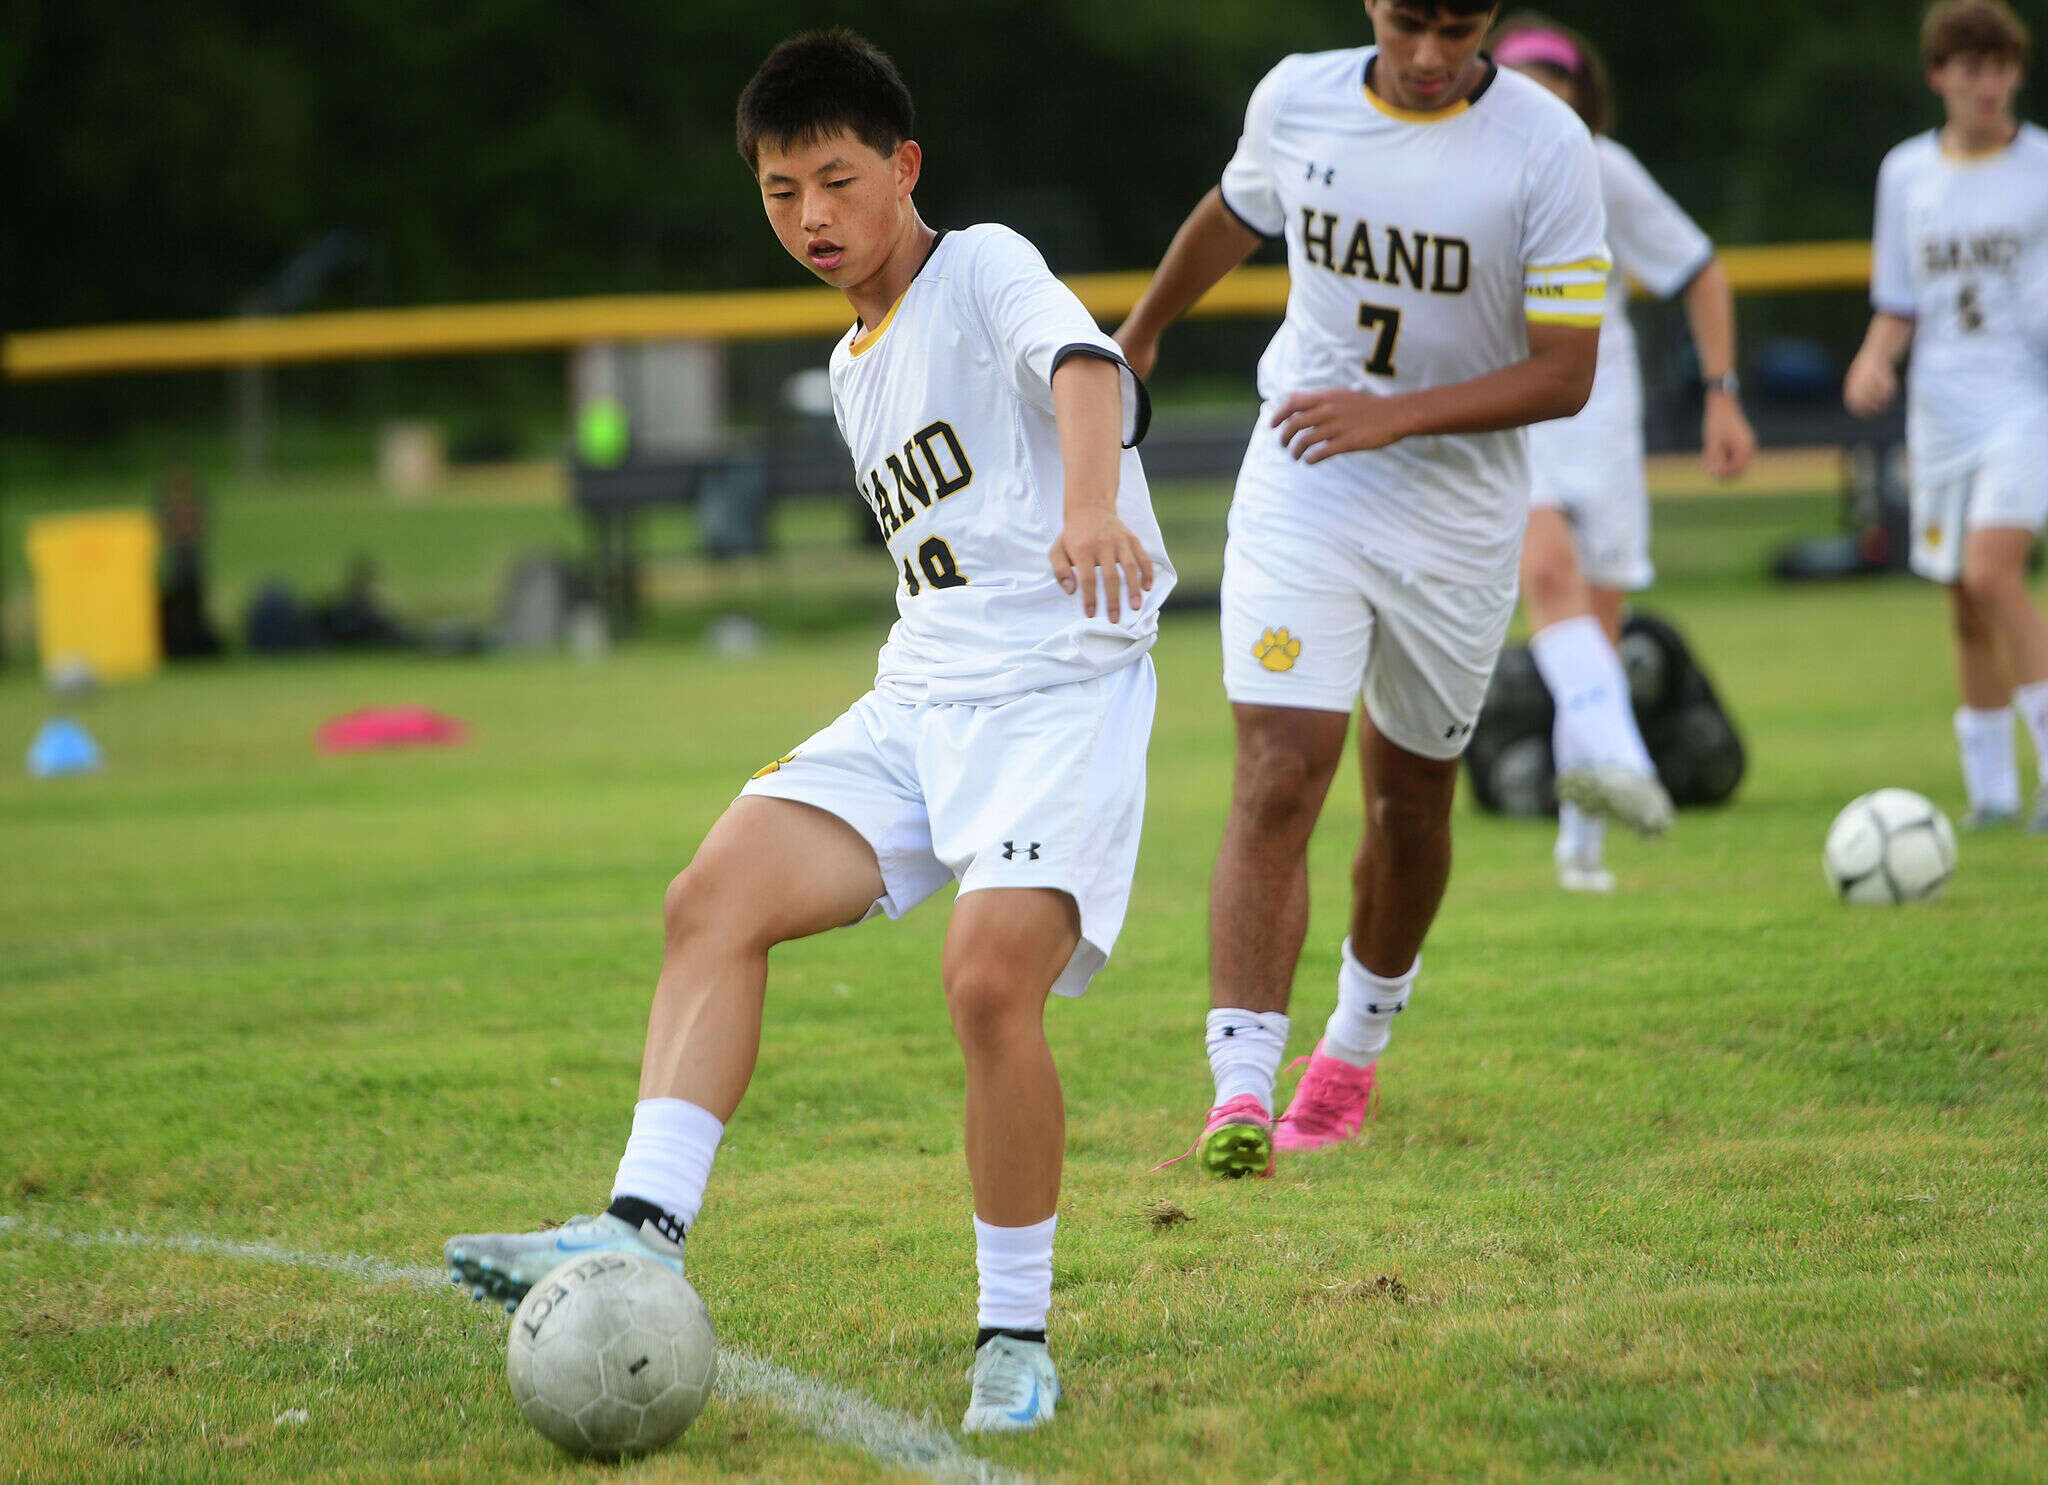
1588 544
1447 272
1003 745
1960 273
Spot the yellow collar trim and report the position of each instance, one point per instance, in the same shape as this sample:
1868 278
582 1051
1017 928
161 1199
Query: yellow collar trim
1975 156
1415 115
864 341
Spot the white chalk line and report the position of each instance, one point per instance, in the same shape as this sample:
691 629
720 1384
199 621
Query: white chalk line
834 1414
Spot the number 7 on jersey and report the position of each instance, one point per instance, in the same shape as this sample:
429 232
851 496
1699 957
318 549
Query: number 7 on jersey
1388 322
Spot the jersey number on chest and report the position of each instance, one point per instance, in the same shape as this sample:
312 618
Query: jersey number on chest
1387 321
935 562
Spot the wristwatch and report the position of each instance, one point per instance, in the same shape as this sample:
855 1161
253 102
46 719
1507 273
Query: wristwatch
1727 382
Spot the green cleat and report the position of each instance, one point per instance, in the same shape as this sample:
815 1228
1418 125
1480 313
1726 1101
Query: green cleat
1237 1141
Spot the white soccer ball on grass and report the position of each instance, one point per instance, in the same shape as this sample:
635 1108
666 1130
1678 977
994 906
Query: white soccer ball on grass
611 1355
1890 846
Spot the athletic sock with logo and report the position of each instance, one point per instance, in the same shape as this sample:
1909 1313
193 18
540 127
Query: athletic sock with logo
1991 771
1245 1048
1363 1023
2031 702
1595 722
1581 838
1015 1266
667 1161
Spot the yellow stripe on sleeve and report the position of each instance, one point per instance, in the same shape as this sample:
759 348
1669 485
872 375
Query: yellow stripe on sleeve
1553 315
1584 265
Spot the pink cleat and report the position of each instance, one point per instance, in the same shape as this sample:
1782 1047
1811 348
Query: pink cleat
1237 1140
1329 1105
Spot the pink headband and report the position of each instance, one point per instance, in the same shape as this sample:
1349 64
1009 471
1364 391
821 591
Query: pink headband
1541 45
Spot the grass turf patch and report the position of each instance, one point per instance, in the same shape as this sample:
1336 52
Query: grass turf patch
1711 1178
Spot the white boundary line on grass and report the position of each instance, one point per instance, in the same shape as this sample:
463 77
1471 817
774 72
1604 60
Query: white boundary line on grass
834 1414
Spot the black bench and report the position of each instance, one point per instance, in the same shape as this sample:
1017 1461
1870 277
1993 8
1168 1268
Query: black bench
735 488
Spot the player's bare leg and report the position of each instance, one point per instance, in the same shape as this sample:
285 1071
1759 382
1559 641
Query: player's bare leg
1603 769
1004 950
1258 917
1553 589
1981 673
771 870
1995 577
1607 606
1404 862
1397 880
2002 664
1258 897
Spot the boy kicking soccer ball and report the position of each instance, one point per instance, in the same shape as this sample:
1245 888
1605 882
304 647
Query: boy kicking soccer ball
991 425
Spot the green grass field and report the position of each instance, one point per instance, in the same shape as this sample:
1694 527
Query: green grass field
1714 1179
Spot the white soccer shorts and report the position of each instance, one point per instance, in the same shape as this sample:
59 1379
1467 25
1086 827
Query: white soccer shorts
1312 626
1046 789
2006 486
1591 468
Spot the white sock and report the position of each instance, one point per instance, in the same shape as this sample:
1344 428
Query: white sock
1015 1264
668 1157
1581 838
1245 1048
1363 1022
1991 771
1595 723
2031 702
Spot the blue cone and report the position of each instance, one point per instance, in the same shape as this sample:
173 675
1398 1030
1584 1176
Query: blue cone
62 747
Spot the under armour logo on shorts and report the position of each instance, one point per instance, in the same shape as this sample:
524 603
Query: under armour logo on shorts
1010 849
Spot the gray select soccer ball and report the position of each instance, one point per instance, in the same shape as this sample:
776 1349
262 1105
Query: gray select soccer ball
611 1355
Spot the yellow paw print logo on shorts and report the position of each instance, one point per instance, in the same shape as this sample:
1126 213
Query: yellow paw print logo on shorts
1276 649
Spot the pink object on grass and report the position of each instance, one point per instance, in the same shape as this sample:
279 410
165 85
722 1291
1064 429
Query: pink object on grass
391 727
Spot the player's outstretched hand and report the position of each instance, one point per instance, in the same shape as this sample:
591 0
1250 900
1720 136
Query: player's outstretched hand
1315 425
1870 386
1727 442
1140 355
1096 551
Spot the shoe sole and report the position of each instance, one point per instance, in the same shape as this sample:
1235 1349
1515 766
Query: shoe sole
487 1284
1596 883
1639 812
1236 1151
1006 1425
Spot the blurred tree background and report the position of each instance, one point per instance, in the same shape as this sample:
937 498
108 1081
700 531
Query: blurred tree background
166 161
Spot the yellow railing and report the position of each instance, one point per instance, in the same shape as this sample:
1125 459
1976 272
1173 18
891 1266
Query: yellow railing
769 314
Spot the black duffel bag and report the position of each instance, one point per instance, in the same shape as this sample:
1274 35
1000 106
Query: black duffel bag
1698 753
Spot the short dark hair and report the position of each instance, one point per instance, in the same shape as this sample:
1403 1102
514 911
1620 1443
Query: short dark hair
819 83
1958 28
1592 95
1429 8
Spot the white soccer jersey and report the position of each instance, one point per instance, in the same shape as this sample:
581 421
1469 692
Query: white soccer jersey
1591 464
947 408
1961 249
1653 243
1416 246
